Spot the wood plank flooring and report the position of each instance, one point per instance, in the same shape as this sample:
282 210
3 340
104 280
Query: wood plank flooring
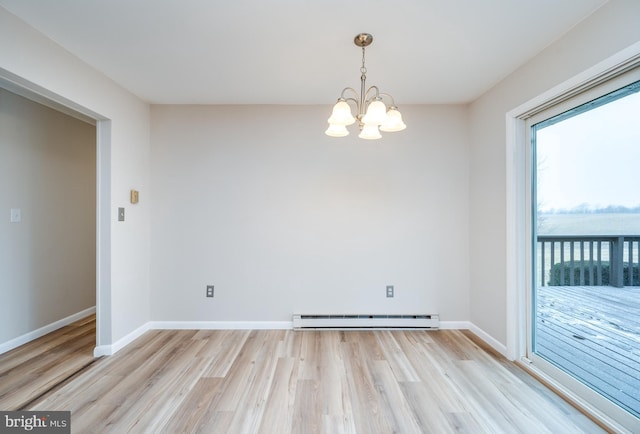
32 369
284 381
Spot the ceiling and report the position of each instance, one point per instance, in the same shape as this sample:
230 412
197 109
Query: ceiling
302 51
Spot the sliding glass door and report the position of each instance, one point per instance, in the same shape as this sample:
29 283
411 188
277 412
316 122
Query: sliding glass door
584 324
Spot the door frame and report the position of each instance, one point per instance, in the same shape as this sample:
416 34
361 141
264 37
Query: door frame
39 94
519 232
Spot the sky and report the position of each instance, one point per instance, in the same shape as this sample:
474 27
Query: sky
592 158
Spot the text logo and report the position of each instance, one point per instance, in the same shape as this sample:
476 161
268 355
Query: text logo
41 422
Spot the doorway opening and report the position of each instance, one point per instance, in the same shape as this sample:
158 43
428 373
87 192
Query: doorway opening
36 93
524 275
585 293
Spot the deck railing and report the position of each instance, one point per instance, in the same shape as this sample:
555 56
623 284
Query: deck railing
588 260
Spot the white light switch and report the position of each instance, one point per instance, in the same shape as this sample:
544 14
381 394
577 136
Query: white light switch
16 215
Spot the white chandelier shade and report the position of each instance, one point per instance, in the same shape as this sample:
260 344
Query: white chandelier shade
372 114
376 113
393 121
337 130
370 132
341 114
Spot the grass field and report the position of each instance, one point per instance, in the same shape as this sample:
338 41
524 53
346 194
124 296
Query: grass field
589 224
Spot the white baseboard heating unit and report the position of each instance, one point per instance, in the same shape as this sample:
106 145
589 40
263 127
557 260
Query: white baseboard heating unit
365 321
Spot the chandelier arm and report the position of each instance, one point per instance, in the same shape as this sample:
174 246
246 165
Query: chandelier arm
351 99
393 102
368 99
355 98
346 89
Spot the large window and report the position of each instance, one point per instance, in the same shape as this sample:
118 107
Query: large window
584 300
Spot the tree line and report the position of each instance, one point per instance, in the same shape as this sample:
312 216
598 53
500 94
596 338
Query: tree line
586 208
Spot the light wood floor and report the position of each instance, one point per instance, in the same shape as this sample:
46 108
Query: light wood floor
35 368
283 381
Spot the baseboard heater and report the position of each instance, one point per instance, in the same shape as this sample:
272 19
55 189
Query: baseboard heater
365 321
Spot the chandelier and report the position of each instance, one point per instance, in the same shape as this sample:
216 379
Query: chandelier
372 114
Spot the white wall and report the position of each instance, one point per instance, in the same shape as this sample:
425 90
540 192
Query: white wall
123 165
609 30
283 219
47 260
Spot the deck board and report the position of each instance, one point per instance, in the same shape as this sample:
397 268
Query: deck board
593 332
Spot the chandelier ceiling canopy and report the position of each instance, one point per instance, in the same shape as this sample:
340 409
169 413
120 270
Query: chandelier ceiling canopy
372 114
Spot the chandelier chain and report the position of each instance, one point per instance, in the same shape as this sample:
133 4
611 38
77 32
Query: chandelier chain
363 69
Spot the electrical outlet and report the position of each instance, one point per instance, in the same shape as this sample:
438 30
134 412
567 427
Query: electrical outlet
210 291
389 291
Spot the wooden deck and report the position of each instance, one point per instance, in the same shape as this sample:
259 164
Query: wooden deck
593 333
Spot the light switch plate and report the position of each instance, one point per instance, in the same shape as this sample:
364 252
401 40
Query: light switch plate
120 214
135 196
16 215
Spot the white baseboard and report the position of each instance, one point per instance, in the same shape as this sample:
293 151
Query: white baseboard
28 337
488 339
221 325
468 325
455 325
109 350
102 350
